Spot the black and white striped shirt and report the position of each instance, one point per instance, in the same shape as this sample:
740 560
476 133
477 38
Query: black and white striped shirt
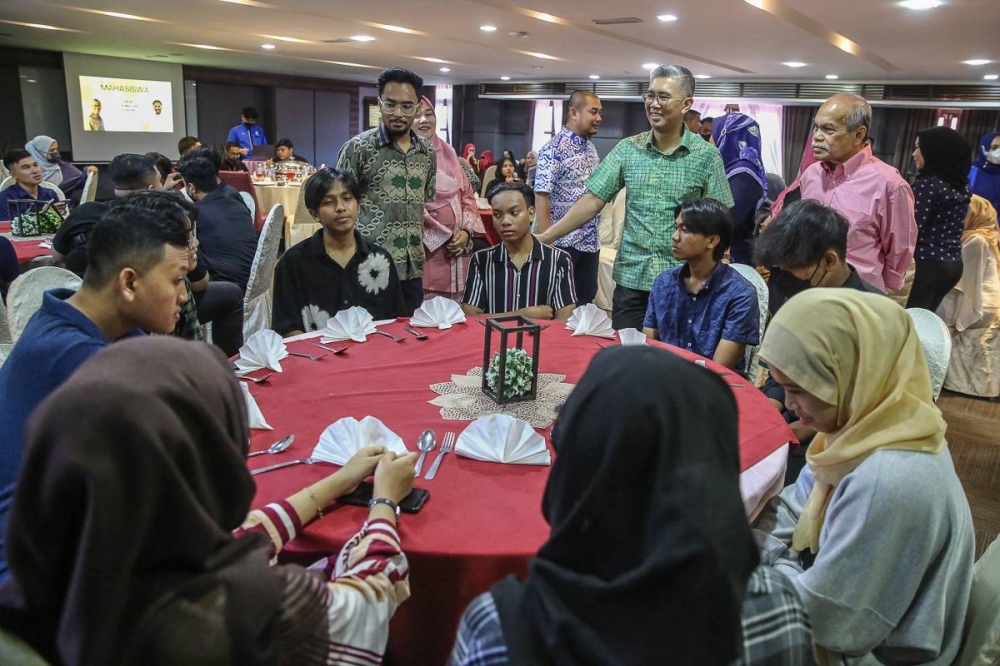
496 285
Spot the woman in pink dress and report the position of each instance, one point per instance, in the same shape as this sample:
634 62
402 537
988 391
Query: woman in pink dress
451 220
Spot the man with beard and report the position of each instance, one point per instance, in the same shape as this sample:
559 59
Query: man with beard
396 171
564 164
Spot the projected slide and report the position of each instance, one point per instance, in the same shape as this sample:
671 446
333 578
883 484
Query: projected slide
126 105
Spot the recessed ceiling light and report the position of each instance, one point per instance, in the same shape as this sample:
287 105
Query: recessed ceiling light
977 62
32 81
794 64
362 38
290 40
488 28
992 77
595 76
666 18
650 65
505 78
446 69
920 5
702 76
40 26
207 47
537 67
832 77
542 16
267 47
396 28
131 17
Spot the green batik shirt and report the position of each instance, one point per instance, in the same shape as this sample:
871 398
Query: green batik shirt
394 188
188 326
655 185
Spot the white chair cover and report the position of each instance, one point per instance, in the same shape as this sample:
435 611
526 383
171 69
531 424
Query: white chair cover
7 182
753 352
981 638
488 177
5 338
936 342
257 301
25 294
610 232
55 188
89 188
251 204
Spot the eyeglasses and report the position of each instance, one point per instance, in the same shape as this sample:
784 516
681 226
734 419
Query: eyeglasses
390 107
649 96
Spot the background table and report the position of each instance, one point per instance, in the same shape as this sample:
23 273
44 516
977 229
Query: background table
483 521
287 195
26 248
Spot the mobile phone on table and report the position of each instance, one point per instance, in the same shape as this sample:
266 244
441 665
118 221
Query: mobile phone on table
412 503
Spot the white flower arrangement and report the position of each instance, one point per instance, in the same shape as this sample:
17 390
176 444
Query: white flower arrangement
373 273
517 373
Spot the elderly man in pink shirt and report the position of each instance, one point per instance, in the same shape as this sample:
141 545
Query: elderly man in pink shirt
876 201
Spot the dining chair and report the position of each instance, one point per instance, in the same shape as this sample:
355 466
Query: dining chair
25 294
257 301
936 342
753 352
981 638
240 181
89 188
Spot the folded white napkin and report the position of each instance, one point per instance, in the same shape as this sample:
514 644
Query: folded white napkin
504 439
590 320
440 312
352 324
632 336
343 439
256 417
263 349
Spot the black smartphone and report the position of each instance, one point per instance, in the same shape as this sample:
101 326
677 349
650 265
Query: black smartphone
412 503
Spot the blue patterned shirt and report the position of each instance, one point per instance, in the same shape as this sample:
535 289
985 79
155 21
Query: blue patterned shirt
564 165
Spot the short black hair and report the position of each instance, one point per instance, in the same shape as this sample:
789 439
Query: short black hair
526 192
14 156
801 235
156 101
707 119
186 144
249 113
131 171
285 143
691 113
320 183
400 75
232 144
578 98
206 153
131 235
201 173
163 165
708 217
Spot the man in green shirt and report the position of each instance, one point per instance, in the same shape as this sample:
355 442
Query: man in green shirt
396 171
660 169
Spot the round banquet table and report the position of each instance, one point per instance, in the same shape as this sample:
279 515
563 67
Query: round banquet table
26 248
269 194
482 521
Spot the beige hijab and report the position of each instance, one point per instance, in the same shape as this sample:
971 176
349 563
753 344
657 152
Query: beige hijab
860 352
982 221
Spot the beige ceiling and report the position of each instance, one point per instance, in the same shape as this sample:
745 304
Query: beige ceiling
726 39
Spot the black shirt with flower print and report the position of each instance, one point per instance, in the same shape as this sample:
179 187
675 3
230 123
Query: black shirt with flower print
310 287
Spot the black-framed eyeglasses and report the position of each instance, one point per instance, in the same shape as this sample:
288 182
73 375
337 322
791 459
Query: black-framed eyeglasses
390 106
649 97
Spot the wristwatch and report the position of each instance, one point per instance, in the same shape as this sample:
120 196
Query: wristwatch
383 500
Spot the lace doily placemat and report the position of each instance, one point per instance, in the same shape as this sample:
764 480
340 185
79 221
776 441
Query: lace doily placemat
462 399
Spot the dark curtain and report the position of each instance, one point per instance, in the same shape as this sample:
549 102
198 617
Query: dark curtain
977 122
912 121
796 123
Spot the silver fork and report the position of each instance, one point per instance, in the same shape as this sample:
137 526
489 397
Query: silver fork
271 468
256 380
390 335
311 357
332 350
447 446
417 334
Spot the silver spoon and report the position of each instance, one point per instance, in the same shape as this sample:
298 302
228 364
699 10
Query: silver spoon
282 465
417 334
390 335
311 357
424 444
256 380
332 350
278 447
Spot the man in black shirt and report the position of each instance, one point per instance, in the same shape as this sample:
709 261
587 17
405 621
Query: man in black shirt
335 269
233 160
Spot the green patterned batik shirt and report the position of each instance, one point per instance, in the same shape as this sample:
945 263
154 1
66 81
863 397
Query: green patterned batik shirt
394 188
655 184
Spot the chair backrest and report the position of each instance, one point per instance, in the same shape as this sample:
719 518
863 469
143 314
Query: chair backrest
55 188
981 638
257 302
936 342
25 294
89 188
613 221
5 338
753 353
240 181
251 204
488 177
18 653
7 182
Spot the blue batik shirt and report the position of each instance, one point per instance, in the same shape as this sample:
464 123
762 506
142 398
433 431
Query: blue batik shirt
564 164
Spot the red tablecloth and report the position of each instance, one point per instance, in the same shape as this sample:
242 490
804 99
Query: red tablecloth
491 232
483 520
28 248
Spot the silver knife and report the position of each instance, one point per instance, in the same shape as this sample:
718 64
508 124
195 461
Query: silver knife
271 468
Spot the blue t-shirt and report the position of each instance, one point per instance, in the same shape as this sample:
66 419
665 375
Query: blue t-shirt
17 193
247 137
55 342
724 309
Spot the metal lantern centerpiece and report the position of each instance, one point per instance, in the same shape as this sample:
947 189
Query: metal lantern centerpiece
510 328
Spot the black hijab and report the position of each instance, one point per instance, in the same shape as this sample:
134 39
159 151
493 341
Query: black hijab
133 481
650 550
947 155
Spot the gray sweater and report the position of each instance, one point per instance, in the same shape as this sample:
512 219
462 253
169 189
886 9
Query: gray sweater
891 581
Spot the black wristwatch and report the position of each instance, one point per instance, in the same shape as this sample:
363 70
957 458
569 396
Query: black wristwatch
383 500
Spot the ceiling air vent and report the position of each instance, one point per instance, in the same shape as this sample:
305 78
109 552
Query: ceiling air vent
621 20
339 40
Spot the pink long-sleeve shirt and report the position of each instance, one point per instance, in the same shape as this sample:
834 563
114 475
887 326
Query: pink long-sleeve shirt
878 205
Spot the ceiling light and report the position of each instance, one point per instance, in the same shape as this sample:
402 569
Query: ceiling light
396 28
702 76
434 60
267 47
290 40
488 28
794 64
446 69
131 17
832 77
667 18
40 26
207 47
505 78
992 77
977 62
594 77
920 5
543 56
32 81
542 16
362 38
650 65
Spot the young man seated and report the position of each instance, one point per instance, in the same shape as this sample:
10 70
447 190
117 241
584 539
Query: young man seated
27 177
335 269
704 305
233 160
134 283
520 276
284 153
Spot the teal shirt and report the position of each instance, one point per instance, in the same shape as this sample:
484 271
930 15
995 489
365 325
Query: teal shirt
656 183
